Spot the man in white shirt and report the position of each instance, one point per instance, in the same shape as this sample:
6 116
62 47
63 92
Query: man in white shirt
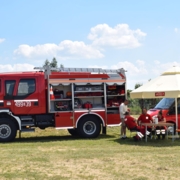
122 110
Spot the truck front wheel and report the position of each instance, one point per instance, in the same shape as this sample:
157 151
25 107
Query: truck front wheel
8 130
89 127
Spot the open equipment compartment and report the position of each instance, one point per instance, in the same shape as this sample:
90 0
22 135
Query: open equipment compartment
116 93
91 95
62 96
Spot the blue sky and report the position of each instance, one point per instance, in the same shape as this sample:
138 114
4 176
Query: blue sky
142 37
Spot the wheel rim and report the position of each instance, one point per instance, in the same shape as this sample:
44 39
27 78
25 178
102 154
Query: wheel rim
5 131
89 127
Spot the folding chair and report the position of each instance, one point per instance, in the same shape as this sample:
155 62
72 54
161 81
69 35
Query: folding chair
178 130
132 131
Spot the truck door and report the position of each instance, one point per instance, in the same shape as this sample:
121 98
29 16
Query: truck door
21 96
26 99
9 86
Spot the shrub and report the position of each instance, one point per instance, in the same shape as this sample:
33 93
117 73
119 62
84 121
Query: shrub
136 110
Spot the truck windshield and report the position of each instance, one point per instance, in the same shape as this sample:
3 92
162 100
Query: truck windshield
165 103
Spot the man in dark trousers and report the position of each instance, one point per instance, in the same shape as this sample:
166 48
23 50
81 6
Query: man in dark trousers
122 110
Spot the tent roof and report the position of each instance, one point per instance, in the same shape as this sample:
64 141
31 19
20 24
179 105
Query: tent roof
172 71
166 85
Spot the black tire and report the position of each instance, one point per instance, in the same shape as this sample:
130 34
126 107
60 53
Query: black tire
8 130
73 132
89 127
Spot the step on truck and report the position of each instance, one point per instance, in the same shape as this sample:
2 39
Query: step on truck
82 100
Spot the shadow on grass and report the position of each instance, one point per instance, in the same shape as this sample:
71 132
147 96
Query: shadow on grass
150 142
58 138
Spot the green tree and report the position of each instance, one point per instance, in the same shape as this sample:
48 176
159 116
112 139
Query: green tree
61 66
133 104
136 105
46 63
137 85
128 93
147 103
54 63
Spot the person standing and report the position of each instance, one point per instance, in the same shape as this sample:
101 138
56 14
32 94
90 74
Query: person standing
122 110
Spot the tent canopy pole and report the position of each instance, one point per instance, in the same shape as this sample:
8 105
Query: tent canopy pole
176 111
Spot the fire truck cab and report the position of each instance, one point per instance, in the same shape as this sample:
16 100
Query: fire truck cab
82 100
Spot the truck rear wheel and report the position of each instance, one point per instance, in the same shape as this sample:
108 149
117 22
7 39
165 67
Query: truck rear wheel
8 130
89 127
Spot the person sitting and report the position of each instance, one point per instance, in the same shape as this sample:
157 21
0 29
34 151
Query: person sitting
132 125
145 118
160 129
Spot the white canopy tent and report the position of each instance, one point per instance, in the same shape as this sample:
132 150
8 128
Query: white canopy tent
167 85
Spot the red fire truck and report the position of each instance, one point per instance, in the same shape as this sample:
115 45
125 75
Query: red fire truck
81 100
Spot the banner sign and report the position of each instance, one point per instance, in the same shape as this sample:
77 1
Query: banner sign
159 93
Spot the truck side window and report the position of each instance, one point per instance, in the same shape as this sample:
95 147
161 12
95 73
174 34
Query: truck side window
172 110
9 85
26 87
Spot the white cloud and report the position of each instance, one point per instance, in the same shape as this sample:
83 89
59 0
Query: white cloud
2 40
156 62
140 62
161 67
121 36
80 49
16 67
141 65
140 71
128 66
37 51
65 50
133 69
176 30
133 72
96 66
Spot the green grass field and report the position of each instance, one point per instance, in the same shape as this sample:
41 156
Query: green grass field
54 154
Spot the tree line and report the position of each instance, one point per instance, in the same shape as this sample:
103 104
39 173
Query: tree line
53 63
136 105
